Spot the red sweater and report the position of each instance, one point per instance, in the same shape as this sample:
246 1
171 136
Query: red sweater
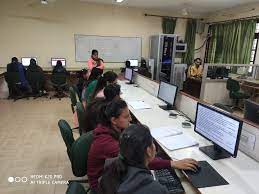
105 146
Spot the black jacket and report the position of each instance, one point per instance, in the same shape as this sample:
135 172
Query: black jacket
140 181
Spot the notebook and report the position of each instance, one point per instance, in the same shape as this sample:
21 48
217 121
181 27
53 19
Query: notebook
177 142
138 105
165 132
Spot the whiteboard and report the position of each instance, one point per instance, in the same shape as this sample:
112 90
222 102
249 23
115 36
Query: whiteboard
110 48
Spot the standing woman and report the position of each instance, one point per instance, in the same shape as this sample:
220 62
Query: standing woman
95 61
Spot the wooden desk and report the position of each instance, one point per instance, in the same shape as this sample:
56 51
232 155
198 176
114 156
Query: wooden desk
242 172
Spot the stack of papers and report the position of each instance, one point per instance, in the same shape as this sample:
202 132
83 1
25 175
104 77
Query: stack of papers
177 142
161 132
138 105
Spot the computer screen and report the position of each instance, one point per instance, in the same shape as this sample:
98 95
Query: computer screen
167 92
133 62
128 74
54 61
220 128
252 111
26 60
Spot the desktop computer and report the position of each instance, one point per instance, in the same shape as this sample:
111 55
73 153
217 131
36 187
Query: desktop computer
133 63
252 111
54 61
26 60
221 129
129 75
167 92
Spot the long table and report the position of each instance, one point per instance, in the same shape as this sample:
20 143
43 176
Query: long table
242 172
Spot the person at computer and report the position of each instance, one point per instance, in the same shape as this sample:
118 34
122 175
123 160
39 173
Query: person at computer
113 119
16 66
95 61
34 67
59 68
195 70
143 69
129 173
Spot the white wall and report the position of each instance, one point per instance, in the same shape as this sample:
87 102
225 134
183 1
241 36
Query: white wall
48 31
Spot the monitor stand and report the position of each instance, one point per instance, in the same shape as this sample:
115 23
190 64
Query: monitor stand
166 107
215 152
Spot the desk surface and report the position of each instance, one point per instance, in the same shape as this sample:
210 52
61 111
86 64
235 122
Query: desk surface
242 172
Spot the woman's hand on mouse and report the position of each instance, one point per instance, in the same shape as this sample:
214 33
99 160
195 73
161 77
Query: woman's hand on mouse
185 164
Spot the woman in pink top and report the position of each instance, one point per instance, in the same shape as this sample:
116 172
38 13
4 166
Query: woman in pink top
94 61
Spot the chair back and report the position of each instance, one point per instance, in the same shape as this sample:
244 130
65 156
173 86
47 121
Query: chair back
73 98
67 135
233 85
79 154
59 78
81 117
36 80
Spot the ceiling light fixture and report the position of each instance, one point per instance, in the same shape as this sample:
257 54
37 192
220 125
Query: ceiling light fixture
119 1
44 2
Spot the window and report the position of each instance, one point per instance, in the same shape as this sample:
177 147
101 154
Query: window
254 47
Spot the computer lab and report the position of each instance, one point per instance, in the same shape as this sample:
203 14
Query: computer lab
129 96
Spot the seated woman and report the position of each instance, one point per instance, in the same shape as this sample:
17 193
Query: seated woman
33 67
59 68
111 92
114 118
90 85
130 173
108 77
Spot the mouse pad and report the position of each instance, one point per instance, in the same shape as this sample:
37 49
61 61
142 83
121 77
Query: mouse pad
207 176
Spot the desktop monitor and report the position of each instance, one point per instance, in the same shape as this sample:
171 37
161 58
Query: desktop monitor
167 92
54 61
133 62
26 60
251 111
221 129
129 75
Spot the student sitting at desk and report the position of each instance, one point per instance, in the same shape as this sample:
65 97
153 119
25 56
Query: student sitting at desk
90 85
33 67
111 92
114 117
107 78
130 173
95 61
59 68
195 70
15 66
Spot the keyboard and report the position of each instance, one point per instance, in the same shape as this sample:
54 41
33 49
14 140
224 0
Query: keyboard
169 179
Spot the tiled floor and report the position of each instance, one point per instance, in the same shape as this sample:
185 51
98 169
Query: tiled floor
31 144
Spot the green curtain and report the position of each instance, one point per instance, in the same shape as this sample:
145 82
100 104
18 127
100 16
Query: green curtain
190 40
231 42
168 25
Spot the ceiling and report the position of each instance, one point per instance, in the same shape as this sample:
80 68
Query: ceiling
193 7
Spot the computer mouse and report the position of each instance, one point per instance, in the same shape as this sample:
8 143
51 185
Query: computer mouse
172 115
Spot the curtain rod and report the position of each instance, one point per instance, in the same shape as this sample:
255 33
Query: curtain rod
225 21
161 16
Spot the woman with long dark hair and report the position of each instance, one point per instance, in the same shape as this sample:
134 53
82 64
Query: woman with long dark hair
130 174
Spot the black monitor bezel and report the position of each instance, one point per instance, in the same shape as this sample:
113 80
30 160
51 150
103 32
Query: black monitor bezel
174 96
131 74
227 115
57 58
